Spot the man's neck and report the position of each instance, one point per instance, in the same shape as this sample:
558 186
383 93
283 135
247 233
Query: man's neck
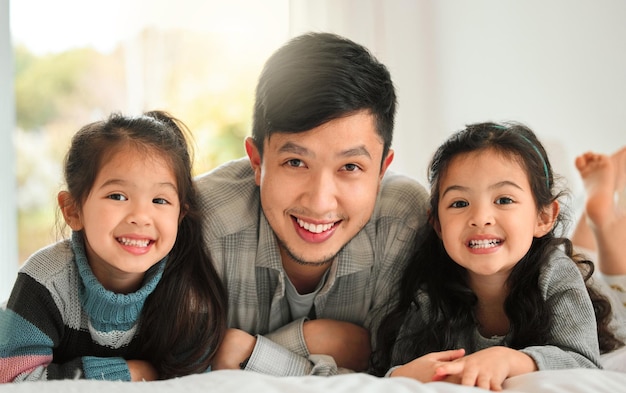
305 278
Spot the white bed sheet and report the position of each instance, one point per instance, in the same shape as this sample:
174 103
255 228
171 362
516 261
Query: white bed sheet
234 381
610 380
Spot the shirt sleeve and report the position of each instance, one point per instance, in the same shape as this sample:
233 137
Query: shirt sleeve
31 327
271 358
573 341
291 337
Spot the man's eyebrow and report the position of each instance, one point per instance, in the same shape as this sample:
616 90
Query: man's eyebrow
294 148
356 151
291 147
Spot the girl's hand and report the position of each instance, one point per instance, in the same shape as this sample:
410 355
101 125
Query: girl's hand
423 368
141 370
486 369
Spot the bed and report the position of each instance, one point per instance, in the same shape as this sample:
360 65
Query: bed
233 381
610 380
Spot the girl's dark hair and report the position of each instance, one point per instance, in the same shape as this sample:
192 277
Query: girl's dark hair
444 282
184 320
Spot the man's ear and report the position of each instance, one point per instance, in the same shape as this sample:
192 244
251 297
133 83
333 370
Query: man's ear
546 219
386 162
255 158
70 210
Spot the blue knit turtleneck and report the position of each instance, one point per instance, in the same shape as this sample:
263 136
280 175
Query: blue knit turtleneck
108 310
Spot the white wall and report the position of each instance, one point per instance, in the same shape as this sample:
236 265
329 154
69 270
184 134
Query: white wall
559 66
8 205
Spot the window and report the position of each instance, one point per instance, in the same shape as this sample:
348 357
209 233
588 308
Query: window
77 61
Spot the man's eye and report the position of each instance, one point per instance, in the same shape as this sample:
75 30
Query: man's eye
295 163
459 204
117 197
351 167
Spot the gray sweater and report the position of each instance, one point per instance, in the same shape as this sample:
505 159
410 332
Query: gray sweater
572 341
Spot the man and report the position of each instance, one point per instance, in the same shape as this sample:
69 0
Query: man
309 232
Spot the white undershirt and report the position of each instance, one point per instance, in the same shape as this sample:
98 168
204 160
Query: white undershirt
300 305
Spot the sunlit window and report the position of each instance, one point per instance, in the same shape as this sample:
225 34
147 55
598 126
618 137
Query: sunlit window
77 61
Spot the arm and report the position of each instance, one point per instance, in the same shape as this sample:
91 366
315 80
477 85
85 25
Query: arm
257 353
141 370
311 347
31 327
345 342
573 340
486 369
424 368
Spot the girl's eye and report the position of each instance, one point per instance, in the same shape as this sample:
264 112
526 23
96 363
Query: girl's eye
160 201
459 204
117 197
504 201
296 163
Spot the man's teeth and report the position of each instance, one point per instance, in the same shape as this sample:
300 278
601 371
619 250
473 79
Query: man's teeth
484 243
319 228
133 242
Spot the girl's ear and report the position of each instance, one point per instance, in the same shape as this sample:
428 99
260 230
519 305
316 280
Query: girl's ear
183 213
434 223
546 219
69 210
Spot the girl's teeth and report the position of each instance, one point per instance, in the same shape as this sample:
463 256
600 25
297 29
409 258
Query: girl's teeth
319 228
133 242
484 243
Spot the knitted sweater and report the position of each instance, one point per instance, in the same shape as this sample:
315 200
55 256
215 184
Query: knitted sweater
60 322
572 340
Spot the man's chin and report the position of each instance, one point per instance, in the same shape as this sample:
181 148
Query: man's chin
322 261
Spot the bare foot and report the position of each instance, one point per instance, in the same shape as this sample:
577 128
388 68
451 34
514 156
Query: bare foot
619 162
599 177
601 174
583 236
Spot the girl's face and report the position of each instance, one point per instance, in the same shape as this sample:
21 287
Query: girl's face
487 213
130 217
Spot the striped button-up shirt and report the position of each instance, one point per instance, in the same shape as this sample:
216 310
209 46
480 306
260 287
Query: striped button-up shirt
361 280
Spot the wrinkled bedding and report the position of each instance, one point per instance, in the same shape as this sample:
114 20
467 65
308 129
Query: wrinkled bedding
610 380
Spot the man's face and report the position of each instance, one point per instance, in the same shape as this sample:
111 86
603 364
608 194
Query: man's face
319 187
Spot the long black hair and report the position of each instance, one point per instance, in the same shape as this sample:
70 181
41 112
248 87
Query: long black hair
444 283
